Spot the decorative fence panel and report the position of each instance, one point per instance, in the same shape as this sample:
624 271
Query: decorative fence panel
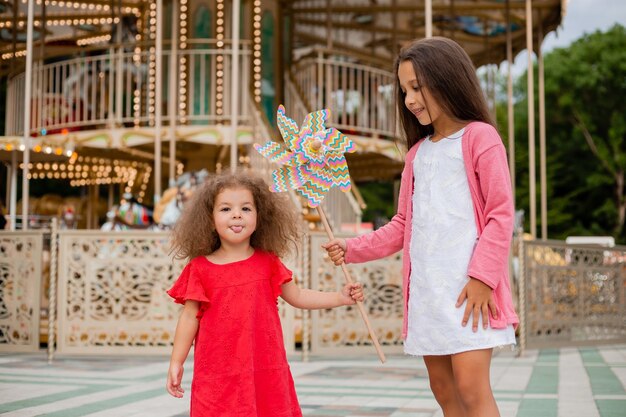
572 295
112 292
341 330
112 296
21 256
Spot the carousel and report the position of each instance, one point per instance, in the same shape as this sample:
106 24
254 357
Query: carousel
135 93
130 104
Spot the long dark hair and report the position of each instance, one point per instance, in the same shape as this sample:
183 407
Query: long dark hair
445 69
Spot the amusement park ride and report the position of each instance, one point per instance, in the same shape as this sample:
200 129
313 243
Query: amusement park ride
129 94
122 99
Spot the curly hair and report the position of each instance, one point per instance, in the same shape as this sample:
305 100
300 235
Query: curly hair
277 230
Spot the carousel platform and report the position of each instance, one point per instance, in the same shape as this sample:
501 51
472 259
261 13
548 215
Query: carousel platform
572 382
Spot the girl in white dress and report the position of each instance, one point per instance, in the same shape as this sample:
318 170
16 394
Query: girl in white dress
454 224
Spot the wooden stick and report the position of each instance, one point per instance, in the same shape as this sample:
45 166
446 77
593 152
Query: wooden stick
349 279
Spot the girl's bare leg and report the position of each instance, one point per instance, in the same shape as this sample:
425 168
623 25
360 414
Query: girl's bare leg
471 373
443 385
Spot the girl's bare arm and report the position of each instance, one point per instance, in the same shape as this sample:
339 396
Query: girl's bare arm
186 330
312 300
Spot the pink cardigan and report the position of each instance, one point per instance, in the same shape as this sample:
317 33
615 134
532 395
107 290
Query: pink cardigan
490 187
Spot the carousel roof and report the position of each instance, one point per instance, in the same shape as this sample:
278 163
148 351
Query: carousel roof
65 25
376 29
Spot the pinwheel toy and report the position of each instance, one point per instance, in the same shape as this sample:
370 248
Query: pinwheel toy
311 162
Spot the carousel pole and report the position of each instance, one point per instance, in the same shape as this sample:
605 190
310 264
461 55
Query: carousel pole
7 197
532 177
428 16
13 197
111 57
158 101
542 134
234 85
28 84
119 65
172 102
509 96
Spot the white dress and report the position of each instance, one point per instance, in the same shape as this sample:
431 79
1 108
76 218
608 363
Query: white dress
442 241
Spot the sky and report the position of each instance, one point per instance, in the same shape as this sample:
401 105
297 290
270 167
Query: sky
581 16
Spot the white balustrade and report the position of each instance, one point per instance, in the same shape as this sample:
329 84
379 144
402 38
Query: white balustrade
342 210
360 97
112 88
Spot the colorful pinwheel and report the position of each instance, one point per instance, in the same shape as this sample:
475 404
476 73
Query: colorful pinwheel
312 163
314 160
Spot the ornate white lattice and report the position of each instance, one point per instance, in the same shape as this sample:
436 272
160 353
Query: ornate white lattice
341 328
20 283
112 293
573 294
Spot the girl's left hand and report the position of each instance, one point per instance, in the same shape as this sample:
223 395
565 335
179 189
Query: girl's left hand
479 302
351 293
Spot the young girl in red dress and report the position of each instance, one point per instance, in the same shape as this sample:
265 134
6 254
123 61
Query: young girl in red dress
233 232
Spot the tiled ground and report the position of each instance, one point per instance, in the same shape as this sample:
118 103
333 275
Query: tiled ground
572 382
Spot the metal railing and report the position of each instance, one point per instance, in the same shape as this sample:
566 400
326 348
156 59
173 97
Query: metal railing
343 210
571 294
116 88
111 292
360 97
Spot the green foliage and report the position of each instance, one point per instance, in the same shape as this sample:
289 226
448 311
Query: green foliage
379 197
585 86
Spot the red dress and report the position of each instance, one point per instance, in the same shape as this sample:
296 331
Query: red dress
240 364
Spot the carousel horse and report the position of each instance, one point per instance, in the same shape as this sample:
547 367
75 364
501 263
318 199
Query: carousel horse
169 208
128 215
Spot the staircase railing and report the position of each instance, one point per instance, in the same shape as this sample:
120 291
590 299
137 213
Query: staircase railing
359 96
342 209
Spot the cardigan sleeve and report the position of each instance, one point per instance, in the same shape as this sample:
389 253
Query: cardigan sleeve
389 239
489 262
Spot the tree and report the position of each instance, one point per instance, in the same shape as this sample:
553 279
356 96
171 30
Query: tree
585 87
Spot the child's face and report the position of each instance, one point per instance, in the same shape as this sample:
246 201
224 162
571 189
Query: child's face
234 215
416 97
